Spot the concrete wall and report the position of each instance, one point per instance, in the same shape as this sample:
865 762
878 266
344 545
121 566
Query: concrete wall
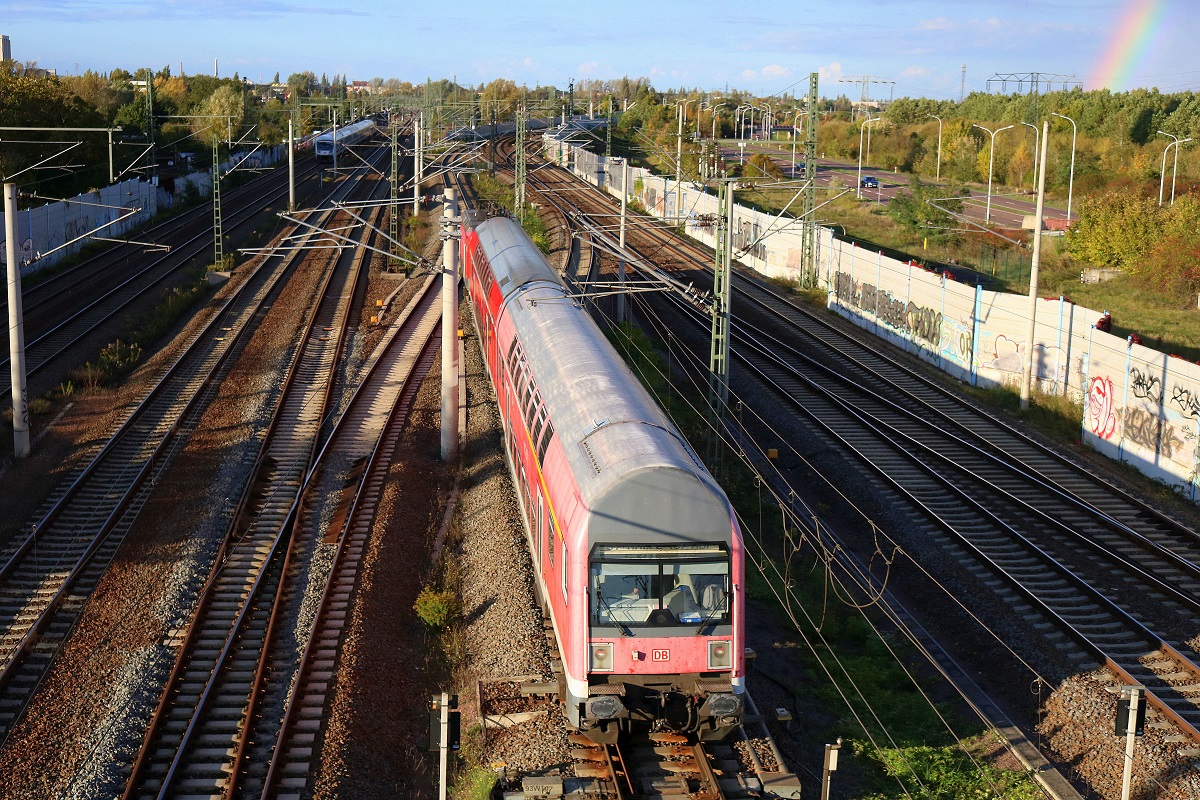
40 230
1141 406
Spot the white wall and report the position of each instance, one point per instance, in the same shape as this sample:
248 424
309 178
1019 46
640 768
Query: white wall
1141 406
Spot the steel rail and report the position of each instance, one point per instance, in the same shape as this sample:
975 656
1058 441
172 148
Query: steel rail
253 541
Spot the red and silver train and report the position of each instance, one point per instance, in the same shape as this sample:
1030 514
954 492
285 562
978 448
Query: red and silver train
638 556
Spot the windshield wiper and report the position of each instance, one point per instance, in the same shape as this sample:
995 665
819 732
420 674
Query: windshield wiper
620 625
708 618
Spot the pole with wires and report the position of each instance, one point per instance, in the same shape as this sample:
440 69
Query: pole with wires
622 300
16 327
718 358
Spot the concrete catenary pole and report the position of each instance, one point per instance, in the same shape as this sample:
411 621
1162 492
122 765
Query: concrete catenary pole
291 167
1027 378
450 233
16 327
416 165
622 300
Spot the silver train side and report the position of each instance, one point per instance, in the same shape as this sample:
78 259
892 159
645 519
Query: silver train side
338 139
637 553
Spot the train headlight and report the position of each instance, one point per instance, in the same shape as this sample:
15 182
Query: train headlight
724 705
605 706
602 657
720 655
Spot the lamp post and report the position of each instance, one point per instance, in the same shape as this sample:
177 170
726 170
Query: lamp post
742 158
938 177
1036 149
682 109
1071 180
991 160
862 127
1176 141
767 114
795 136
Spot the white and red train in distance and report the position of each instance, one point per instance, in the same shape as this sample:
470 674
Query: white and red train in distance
638 555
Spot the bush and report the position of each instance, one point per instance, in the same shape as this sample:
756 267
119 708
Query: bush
436 609
476 784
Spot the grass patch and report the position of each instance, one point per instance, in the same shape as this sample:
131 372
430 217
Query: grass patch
474 784
927 760
1056 416
493 191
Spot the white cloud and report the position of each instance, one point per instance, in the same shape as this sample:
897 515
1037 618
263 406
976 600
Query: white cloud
749 74
914 72
938 24
528 62
775 71
588 69
831 71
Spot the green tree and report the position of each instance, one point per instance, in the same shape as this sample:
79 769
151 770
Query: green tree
1116 229
912 209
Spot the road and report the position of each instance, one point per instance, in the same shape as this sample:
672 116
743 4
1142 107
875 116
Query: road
1007 211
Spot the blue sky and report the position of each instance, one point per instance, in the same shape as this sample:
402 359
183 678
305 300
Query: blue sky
763 46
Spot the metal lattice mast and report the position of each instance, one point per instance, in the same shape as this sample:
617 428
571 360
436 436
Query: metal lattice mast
394 213
218 234
519 191
718 358
808 262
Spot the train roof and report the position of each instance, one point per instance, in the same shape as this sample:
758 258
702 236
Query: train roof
635 471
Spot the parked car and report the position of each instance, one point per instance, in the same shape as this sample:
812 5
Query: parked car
869 182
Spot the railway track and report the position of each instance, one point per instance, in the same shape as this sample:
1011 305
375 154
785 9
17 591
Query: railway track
67 307
58 558
197 737
349 488
1069 545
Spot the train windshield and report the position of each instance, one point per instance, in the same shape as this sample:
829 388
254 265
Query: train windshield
659 586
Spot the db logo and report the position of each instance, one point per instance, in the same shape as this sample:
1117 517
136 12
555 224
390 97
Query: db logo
660 655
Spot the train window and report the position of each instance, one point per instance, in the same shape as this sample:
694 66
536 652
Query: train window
547 435
538 425
660 586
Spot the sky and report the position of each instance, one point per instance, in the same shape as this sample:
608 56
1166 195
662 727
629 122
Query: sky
763 46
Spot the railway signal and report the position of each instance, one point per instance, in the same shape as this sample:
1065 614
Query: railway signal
1130 723
443 732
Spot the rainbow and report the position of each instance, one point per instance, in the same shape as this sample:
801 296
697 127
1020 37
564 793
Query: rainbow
1137 26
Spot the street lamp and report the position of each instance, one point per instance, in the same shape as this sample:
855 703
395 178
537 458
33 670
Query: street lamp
682 109
1036 141
742 158
1163 172
861 127
987 217
795 136
938 177
1071 180
740 120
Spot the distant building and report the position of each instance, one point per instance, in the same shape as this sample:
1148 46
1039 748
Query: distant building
5 48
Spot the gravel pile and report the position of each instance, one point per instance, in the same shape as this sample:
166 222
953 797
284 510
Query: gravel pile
1079 730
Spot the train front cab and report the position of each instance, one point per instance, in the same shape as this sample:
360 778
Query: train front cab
665 638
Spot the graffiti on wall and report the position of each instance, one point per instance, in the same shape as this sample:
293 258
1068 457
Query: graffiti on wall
1101 413
1145 386
1188 400
1149 431
1009 356
746 239
958 340
920 322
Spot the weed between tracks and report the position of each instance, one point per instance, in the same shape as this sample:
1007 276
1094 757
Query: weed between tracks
900 743
493 190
